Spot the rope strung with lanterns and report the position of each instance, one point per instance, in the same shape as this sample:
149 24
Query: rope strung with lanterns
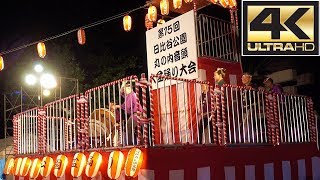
150 18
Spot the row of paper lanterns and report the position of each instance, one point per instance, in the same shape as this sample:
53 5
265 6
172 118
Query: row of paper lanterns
91 166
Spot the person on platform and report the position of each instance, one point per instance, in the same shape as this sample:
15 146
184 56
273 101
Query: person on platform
131 107
272 88
247 81
219 75
205 126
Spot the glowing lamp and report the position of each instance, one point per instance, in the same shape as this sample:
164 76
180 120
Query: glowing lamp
164 7
133 162
148 23
8 166
48 81
161 21
41 49
47 164
81 34
127 23
78 164
46 92
60 166
115 164
232 3
93 164
152 13
224 3
16 168
177 4
25 166
1 63
187 1
38 68
35 168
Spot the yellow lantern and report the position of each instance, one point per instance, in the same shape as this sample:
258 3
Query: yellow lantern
214 1
60 166
133 162
187 1
177 4
127 23
78 164
8 166
35 168
16 168
25 166
161 21
1 63
115 164
148 23
93 164
81 36
224 3
164 7
41 49
47 164
232 3
152 13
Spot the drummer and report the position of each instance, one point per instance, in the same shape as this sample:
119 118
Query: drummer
130 106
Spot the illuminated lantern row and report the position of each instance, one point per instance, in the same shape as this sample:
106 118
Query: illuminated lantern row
35 168
133 162
8 166
177 4
127 23
1 63
224 3
60 166
78 163
148 23
81 34
164 7
41 48
93 165
188 1
46 166
115 164
152 13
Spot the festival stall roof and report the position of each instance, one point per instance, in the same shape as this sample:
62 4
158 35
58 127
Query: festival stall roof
185 6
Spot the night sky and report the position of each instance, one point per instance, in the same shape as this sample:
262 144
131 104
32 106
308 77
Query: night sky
23 22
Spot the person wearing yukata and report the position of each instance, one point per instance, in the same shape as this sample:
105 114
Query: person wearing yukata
205 126
272 88
130 106
219 75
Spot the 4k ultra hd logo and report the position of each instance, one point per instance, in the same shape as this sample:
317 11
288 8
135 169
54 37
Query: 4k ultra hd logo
280 27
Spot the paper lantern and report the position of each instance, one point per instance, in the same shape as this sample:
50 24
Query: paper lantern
78 163
148 23
164 7
8 166
35 168
187 1
93 164
81 34
152 13
161 21
115 164
41 49
224 3
214 1
232 3
60 166
177 4
133 162
25 166
127 23
1 63
47 164
16 168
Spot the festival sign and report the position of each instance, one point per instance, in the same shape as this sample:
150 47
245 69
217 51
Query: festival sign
172 49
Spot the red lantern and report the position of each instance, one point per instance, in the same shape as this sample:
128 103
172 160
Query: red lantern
148 23
81 36
214 1
9 166
35 168
224 3
60 166
133 162
41 49
1 63
232 3
25 166
115 164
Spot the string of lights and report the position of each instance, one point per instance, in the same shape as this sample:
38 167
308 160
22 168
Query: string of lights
105 20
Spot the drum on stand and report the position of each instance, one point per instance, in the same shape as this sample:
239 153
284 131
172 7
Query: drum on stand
103 128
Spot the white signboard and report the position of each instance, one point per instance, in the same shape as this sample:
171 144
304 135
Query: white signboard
172 48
